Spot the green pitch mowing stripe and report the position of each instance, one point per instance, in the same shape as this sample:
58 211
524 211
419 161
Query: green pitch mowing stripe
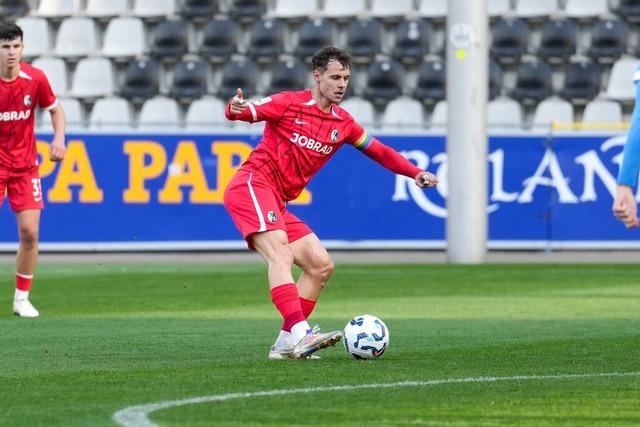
115 336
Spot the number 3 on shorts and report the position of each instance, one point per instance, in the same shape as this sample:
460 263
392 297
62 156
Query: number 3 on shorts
37 189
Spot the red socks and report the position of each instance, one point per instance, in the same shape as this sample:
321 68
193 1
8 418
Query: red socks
307 306
285 298
23 282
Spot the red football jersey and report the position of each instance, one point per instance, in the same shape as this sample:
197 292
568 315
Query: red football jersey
18 101
298 140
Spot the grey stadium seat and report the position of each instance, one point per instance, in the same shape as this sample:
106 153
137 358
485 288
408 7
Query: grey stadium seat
602 112
392 10
219 40
586 9
73 114
295 10
57 73
111 113
536 9
433 9
106 9
552 110
159 113
205 113
498 8
343 11
266 40
504 114
361 110
93 78
620 87
37 36
57 9
154 9
124 38
77 37
439 117
404 113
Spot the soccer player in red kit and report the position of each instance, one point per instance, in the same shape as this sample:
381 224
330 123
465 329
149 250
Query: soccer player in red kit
22 89
302 131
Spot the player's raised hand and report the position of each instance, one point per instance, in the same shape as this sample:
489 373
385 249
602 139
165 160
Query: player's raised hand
625 208
238 103
426 180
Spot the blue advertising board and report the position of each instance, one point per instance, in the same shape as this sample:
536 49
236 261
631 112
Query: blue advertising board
143 191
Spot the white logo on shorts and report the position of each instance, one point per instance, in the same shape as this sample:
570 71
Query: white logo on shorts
271 216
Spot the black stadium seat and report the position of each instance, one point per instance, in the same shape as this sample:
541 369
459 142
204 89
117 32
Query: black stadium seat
432 79
313 35
364 39
582 81
219 41
288 75
12 9
141 80
412 41
189 81
608 40
533 82
629 9
495 79
509 40
197 10
239 73
169 40
266 40
558 40
384 82
247 10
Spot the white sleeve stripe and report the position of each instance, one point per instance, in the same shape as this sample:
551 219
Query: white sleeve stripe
52 106
254 113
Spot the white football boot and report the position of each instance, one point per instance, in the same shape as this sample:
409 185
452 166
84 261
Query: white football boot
24 308
287 353
314 341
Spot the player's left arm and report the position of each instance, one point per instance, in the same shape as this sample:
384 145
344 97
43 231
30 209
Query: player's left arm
50 103
394 161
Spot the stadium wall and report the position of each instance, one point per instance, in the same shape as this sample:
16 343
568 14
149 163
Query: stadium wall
141 191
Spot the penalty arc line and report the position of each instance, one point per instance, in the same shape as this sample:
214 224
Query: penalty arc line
138 415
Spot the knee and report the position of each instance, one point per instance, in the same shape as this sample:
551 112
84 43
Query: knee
29 234
323 269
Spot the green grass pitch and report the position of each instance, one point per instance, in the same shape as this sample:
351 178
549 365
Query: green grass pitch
113 335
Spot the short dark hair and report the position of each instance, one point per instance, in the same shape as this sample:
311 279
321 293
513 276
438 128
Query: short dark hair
10 31
321 58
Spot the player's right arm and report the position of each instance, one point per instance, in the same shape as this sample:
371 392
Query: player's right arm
624 206
265 109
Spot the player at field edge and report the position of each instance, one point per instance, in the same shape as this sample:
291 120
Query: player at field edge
625 207
22 89
303 130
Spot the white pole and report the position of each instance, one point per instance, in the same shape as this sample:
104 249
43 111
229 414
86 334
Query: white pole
467 81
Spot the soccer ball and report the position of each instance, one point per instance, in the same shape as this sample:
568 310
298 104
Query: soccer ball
366 337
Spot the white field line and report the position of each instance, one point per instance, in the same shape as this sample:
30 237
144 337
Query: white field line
138 415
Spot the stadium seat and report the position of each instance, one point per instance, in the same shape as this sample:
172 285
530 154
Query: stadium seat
37 36
586 9
239 73
412 41
344 11
582 81
93 78
219 40
602 112
498 8
73 114
403 113
152 10
608 40
77 37
266 40
558 40
384 82
141 80
196 10
57 9
56 71
189 81
169 40
495 79
552 110
536 9
509 40
620 87
111 113
288 75
629 9
295 10
313 35
504 114
439 117
12 9
433 9
361 110
392 11
205 114
364 40
431 86
106 9
533 82
247 10
159 113
124 38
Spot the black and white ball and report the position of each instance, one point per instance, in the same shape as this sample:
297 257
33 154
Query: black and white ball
366 337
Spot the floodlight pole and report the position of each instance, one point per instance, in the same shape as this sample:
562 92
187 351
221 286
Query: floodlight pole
467 81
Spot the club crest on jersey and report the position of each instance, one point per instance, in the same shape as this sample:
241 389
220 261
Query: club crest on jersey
272 217
334 135
27 100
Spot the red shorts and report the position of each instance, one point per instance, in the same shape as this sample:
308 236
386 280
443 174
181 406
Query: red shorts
23 189
255 207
